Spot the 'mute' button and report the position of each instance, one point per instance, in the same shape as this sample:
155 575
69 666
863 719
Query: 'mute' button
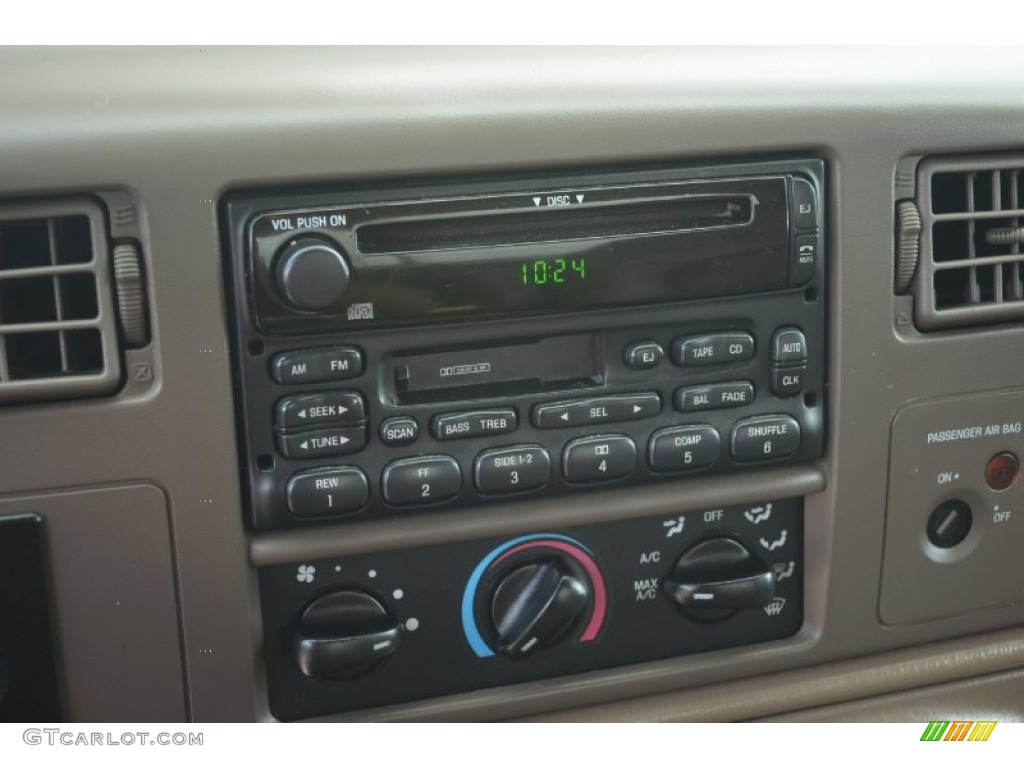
765 437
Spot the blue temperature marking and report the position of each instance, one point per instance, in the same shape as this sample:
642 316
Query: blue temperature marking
476 642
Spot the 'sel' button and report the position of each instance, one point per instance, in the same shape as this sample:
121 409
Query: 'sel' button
326 492
309 366
453 426
602 457
597 410
423 480
765 437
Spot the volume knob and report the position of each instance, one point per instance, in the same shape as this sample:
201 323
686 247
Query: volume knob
311 274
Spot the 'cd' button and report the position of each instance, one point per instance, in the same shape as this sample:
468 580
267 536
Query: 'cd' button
679 448
603 457
512 470
309 366
424 480
765 437
326 492
453 426
713 349
318 443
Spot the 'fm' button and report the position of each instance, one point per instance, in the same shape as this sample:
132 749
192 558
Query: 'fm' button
309 366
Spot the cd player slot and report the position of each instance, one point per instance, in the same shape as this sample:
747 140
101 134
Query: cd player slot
522 368
624 218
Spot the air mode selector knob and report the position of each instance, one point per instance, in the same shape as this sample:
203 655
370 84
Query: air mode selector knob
311 274
535 605
343 634
717 577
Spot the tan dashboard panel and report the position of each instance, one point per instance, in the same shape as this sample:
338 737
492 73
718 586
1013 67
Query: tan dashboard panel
115 595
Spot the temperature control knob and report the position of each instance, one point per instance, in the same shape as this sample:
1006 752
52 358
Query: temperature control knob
718 576
311 274
535 605
341 635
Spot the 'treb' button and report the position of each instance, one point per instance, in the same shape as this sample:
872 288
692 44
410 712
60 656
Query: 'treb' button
512 470
763 438
342 408
675 449
641 355
309 366
731 394
423 480
318 443
602 457
713 349
327 492
453 426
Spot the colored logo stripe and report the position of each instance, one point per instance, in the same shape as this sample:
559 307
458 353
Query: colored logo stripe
958 730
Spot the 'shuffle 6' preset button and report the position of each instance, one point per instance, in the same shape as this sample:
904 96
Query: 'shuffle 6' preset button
765 437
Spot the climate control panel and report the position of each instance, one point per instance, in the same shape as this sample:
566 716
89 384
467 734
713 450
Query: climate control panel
368 630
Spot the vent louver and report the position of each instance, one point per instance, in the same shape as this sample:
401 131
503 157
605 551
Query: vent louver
57 326
970 268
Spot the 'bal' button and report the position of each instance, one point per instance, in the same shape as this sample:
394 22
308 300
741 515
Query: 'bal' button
731 394
679 448
326 492
641 355
323 408
318 443
309 366
452 426
423 480
602 457
765 437
399 430
713 349
512 470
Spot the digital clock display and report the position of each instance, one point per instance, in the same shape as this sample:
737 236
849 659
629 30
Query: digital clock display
553 271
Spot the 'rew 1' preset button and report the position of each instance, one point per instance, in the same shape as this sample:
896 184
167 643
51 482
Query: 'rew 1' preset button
327 492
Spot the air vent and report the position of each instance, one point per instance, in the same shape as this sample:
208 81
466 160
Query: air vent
57 326
970 268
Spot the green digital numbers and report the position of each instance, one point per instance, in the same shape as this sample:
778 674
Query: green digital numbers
553 271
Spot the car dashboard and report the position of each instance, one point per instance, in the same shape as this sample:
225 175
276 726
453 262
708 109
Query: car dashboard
532 383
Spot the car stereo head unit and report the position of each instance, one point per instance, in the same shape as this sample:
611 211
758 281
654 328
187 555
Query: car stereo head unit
405 348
